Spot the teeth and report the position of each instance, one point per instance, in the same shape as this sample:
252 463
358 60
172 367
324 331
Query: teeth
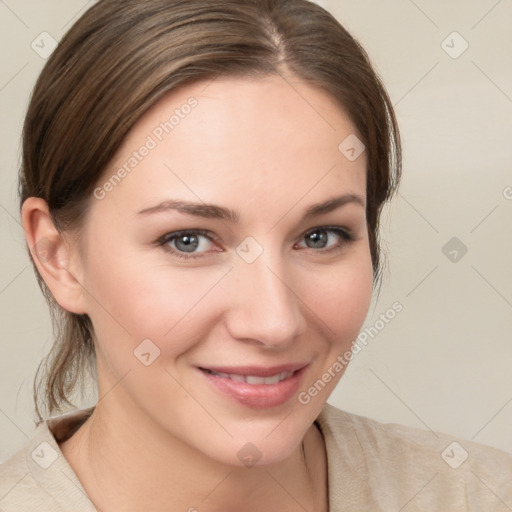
258 380
253 379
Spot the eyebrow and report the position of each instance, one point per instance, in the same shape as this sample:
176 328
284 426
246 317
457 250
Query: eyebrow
212 211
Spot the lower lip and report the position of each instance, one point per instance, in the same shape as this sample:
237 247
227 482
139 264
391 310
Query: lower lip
257 396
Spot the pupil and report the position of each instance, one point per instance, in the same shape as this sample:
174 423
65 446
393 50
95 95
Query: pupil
315 238
189 242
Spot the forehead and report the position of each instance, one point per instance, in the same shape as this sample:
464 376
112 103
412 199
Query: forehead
245 138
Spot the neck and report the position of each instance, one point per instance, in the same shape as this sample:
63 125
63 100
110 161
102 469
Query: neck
125 462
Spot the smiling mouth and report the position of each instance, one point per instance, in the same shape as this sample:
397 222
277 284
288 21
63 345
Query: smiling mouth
252 379
258 387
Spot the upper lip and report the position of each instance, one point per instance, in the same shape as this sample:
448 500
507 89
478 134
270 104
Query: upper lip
257 371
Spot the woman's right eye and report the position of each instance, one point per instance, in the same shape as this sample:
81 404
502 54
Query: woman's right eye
182 244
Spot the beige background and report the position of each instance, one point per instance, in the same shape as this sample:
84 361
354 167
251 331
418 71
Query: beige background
444 362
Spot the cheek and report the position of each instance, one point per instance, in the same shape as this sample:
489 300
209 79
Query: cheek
341 296
130 301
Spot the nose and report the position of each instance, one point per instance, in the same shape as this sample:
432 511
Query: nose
265 309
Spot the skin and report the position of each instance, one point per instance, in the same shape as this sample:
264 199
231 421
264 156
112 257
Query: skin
161 434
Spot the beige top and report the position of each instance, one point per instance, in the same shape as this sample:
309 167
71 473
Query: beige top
372 467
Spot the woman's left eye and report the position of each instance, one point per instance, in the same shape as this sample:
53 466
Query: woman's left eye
185 244
319 236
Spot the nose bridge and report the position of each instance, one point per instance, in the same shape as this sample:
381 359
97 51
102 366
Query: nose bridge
267 309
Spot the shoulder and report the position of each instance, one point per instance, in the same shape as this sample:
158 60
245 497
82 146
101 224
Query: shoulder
402 463
38 477
19 490
390 438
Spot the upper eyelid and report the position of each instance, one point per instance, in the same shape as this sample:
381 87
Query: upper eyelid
179 232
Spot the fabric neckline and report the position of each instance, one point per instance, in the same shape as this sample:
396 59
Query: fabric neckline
57 429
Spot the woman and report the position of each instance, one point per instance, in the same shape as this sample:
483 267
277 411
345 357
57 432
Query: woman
201 188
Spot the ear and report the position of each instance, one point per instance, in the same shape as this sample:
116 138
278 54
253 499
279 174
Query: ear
53 255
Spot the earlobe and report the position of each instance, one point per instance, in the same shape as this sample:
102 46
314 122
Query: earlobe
52 255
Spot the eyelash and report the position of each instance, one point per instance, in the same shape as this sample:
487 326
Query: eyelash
346 235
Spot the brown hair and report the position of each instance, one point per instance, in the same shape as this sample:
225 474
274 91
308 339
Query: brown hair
122 56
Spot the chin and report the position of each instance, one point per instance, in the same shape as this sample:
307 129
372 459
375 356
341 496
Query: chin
269 442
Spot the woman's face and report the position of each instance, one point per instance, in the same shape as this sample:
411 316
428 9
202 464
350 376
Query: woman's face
194 330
